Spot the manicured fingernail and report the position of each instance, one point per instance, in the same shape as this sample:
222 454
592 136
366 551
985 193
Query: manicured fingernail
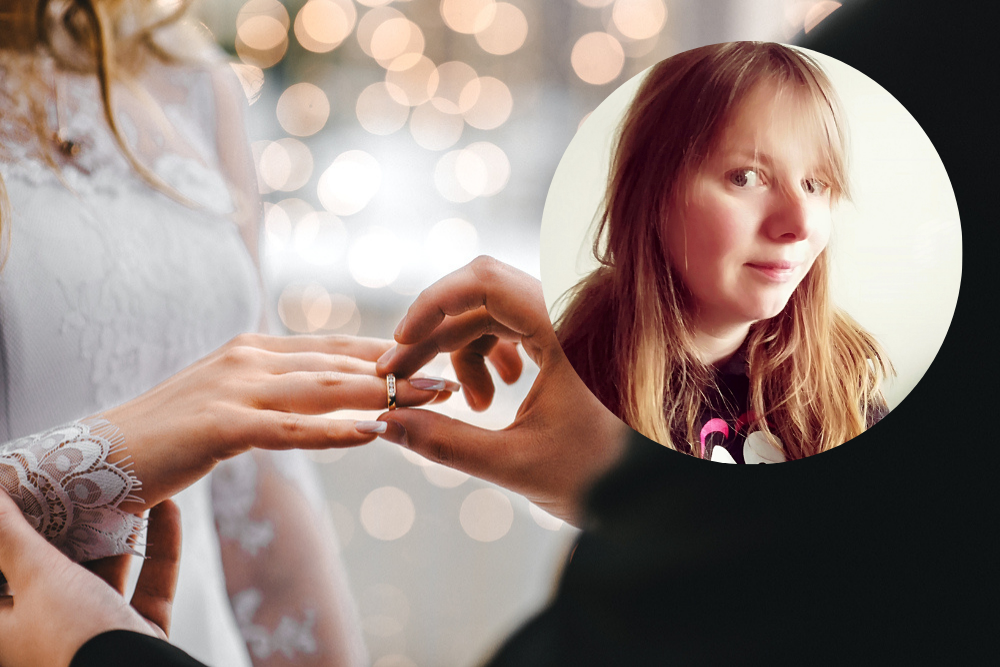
399 327
387 356
370 427
429 383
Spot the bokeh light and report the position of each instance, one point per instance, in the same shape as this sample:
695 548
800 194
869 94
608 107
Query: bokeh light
639 19
443 476
379 110
468 16
285 164
375 258
597 58
486 515
492 103
394 39
387 513
446 179
410 79
544 519
434 129
595 3
323 25
311 308
320 239
497 166
349 183
450 245
506 33
303 109
371 22
448 82
262 32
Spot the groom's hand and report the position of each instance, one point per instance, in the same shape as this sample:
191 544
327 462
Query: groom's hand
562 439
57 605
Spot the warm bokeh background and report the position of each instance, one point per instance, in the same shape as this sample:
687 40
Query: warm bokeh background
395 141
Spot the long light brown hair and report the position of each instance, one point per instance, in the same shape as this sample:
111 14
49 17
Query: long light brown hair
815 373
109 38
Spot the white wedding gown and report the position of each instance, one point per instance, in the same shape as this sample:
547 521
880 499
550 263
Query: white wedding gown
110 287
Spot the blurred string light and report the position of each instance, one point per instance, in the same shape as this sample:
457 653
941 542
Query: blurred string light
447 82
410 80
468 16
375 258
632 30
507 31
323 25
434 129
311 308
450 245
262 32
639 19
481 169
486 515
303 109
284 165
349 183
379 110
491 106
597 58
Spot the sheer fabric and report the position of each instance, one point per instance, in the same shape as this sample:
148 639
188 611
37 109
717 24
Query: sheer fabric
110 287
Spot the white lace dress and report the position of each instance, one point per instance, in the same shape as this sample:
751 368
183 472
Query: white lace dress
110 287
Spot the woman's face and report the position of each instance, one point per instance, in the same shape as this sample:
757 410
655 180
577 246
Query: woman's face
751 221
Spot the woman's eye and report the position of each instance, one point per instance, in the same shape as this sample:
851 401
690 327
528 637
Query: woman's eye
745 177
814 186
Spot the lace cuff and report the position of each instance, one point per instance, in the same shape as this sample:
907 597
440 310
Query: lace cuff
69 491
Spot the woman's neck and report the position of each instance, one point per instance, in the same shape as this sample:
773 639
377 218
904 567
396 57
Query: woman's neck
716 344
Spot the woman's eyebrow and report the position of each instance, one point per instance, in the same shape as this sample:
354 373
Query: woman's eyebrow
747 153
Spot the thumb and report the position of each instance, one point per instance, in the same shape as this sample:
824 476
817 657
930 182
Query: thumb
23 552
477 451
154 590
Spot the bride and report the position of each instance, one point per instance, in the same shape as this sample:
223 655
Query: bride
129 212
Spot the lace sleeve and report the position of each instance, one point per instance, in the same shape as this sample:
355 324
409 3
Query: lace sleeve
70 491
287 586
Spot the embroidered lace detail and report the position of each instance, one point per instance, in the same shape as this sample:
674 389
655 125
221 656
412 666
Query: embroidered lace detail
31 84
69 491
289 637
234 492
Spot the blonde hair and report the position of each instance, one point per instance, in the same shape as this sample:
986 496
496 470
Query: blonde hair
814 372
109 38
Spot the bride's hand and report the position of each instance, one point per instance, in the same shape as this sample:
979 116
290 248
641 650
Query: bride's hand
256 391
562 439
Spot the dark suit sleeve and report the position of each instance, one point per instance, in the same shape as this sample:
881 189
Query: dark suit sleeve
823 561
122 648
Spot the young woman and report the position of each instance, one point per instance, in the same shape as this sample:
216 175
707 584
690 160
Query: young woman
709 326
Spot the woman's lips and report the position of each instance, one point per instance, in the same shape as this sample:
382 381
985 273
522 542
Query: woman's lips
778 272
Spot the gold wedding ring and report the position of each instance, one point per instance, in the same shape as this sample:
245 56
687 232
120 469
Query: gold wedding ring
390 390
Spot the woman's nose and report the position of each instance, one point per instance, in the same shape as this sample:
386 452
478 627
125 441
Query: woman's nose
789 218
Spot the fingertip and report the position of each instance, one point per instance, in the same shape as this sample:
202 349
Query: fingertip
395 432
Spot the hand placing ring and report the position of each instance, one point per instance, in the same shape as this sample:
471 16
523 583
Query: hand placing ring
390 389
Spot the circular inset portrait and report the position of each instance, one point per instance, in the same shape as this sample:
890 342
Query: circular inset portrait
751 252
